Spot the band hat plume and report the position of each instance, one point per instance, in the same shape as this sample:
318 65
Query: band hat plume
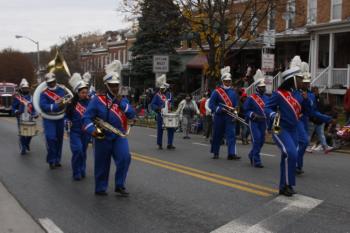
87 77
161 82
290 73
76 82
50 77
296 62
259 78
24 83
113 71
304 69
225 73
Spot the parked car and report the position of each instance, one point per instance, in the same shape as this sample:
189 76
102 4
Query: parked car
7 90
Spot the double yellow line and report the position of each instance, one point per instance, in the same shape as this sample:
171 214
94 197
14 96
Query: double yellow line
203 175
207 176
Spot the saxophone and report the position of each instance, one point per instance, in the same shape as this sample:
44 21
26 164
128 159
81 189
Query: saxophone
101 125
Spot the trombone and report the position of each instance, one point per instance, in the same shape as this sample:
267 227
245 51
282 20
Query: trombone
232 112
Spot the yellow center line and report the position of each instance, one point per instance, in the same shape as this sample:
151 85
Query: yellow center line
203 175
208 173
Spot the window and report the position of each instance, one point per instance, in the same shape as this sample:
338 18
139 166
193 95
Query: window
336 9
254 24
290 14
239 24
271 20
312 12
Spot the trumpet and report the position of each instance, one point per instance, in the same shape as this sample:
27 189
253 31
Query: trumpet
101 125
65 99
276 128
232 112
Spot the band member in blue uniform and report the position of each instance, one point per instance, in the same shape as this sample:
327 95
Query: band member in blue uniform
255 116
78 138
162 103
22 108
287 105
303 126
224 97
110 109
51 103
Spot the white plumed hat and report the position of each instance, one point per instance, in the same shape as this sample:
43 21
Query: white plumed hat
161 81
113 71
87 77
225 73
304 69
50 77
296 62
24 83
76 82
259 78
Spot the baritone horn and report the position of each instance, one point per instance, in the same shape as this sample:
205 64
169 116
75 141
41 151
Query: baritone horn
58 63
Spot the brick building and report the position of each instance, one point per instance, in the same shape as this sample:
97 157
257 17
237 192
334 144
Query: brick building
115 46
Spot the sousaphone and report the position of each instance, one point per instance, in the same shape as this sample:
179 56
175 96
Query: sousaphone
58 63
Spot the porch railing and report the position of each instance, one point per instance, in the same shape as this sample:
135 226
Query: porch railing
276 81
339 77
321 79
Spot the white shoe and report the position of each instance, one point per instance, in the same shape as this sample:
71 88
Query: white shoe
318 148
328 149
309 149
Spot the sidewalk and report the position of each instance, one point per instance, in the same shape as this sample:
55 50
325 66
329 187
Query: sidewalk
13 218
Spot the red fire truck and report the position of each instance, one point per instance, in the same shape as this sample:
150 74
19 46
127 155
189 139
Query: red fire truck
7 90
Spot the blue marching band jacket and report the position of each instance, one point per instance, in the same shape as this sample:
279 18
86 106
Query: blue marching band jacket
19 103
109 110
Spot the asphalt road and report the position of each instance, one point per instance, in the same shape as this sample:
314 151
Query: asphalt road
179 191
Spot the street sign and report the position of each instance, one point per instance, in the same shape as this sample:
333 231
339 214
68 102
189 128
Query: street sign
160 64
267 62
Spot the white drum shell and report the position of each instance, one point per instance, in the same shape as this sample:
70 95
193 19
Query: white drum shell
27 128
171 120
36 102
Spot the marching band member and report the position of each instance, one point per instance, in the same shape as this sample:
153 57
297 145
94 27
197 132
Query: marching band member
51 103
223 123
162 102
303 127
23 102
255 115
87 79
79 139
287 105
115 112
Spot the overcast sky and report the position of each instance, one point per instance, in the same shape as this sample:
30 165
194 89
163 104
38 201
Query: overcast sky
47 21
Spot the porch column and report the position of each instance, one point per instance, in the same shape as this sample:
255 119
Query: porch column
314 43
331 60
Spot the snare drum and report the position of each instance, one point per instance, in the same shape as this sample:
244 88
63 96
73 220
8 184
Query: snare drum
171 120
27 128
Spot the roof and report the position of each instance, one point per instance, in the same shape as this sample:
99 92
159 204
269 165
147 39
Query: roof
330 25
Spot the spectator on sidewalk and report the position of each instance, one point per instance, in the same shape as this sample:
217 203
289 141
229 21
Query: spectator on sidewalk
187 109
203 111
241 114
208 119
347 106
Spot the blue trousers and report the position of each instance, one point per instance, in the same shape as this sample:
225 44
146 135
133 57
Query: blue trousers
223 125
287 141
170 132
24 141
79 142
104 150
303 142
257 130
54 131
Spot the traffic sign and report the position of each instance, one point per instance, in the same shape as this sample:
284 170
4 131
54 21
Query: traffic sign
160 64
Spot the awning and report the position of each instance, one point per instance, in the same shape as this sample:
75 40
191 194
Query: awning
198 62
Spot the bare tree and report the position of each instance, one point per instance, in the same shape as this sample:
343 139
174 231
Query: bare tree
219 26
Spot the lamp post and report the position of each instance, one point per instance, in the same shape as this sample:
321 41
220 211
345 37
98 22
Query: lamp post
37 47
